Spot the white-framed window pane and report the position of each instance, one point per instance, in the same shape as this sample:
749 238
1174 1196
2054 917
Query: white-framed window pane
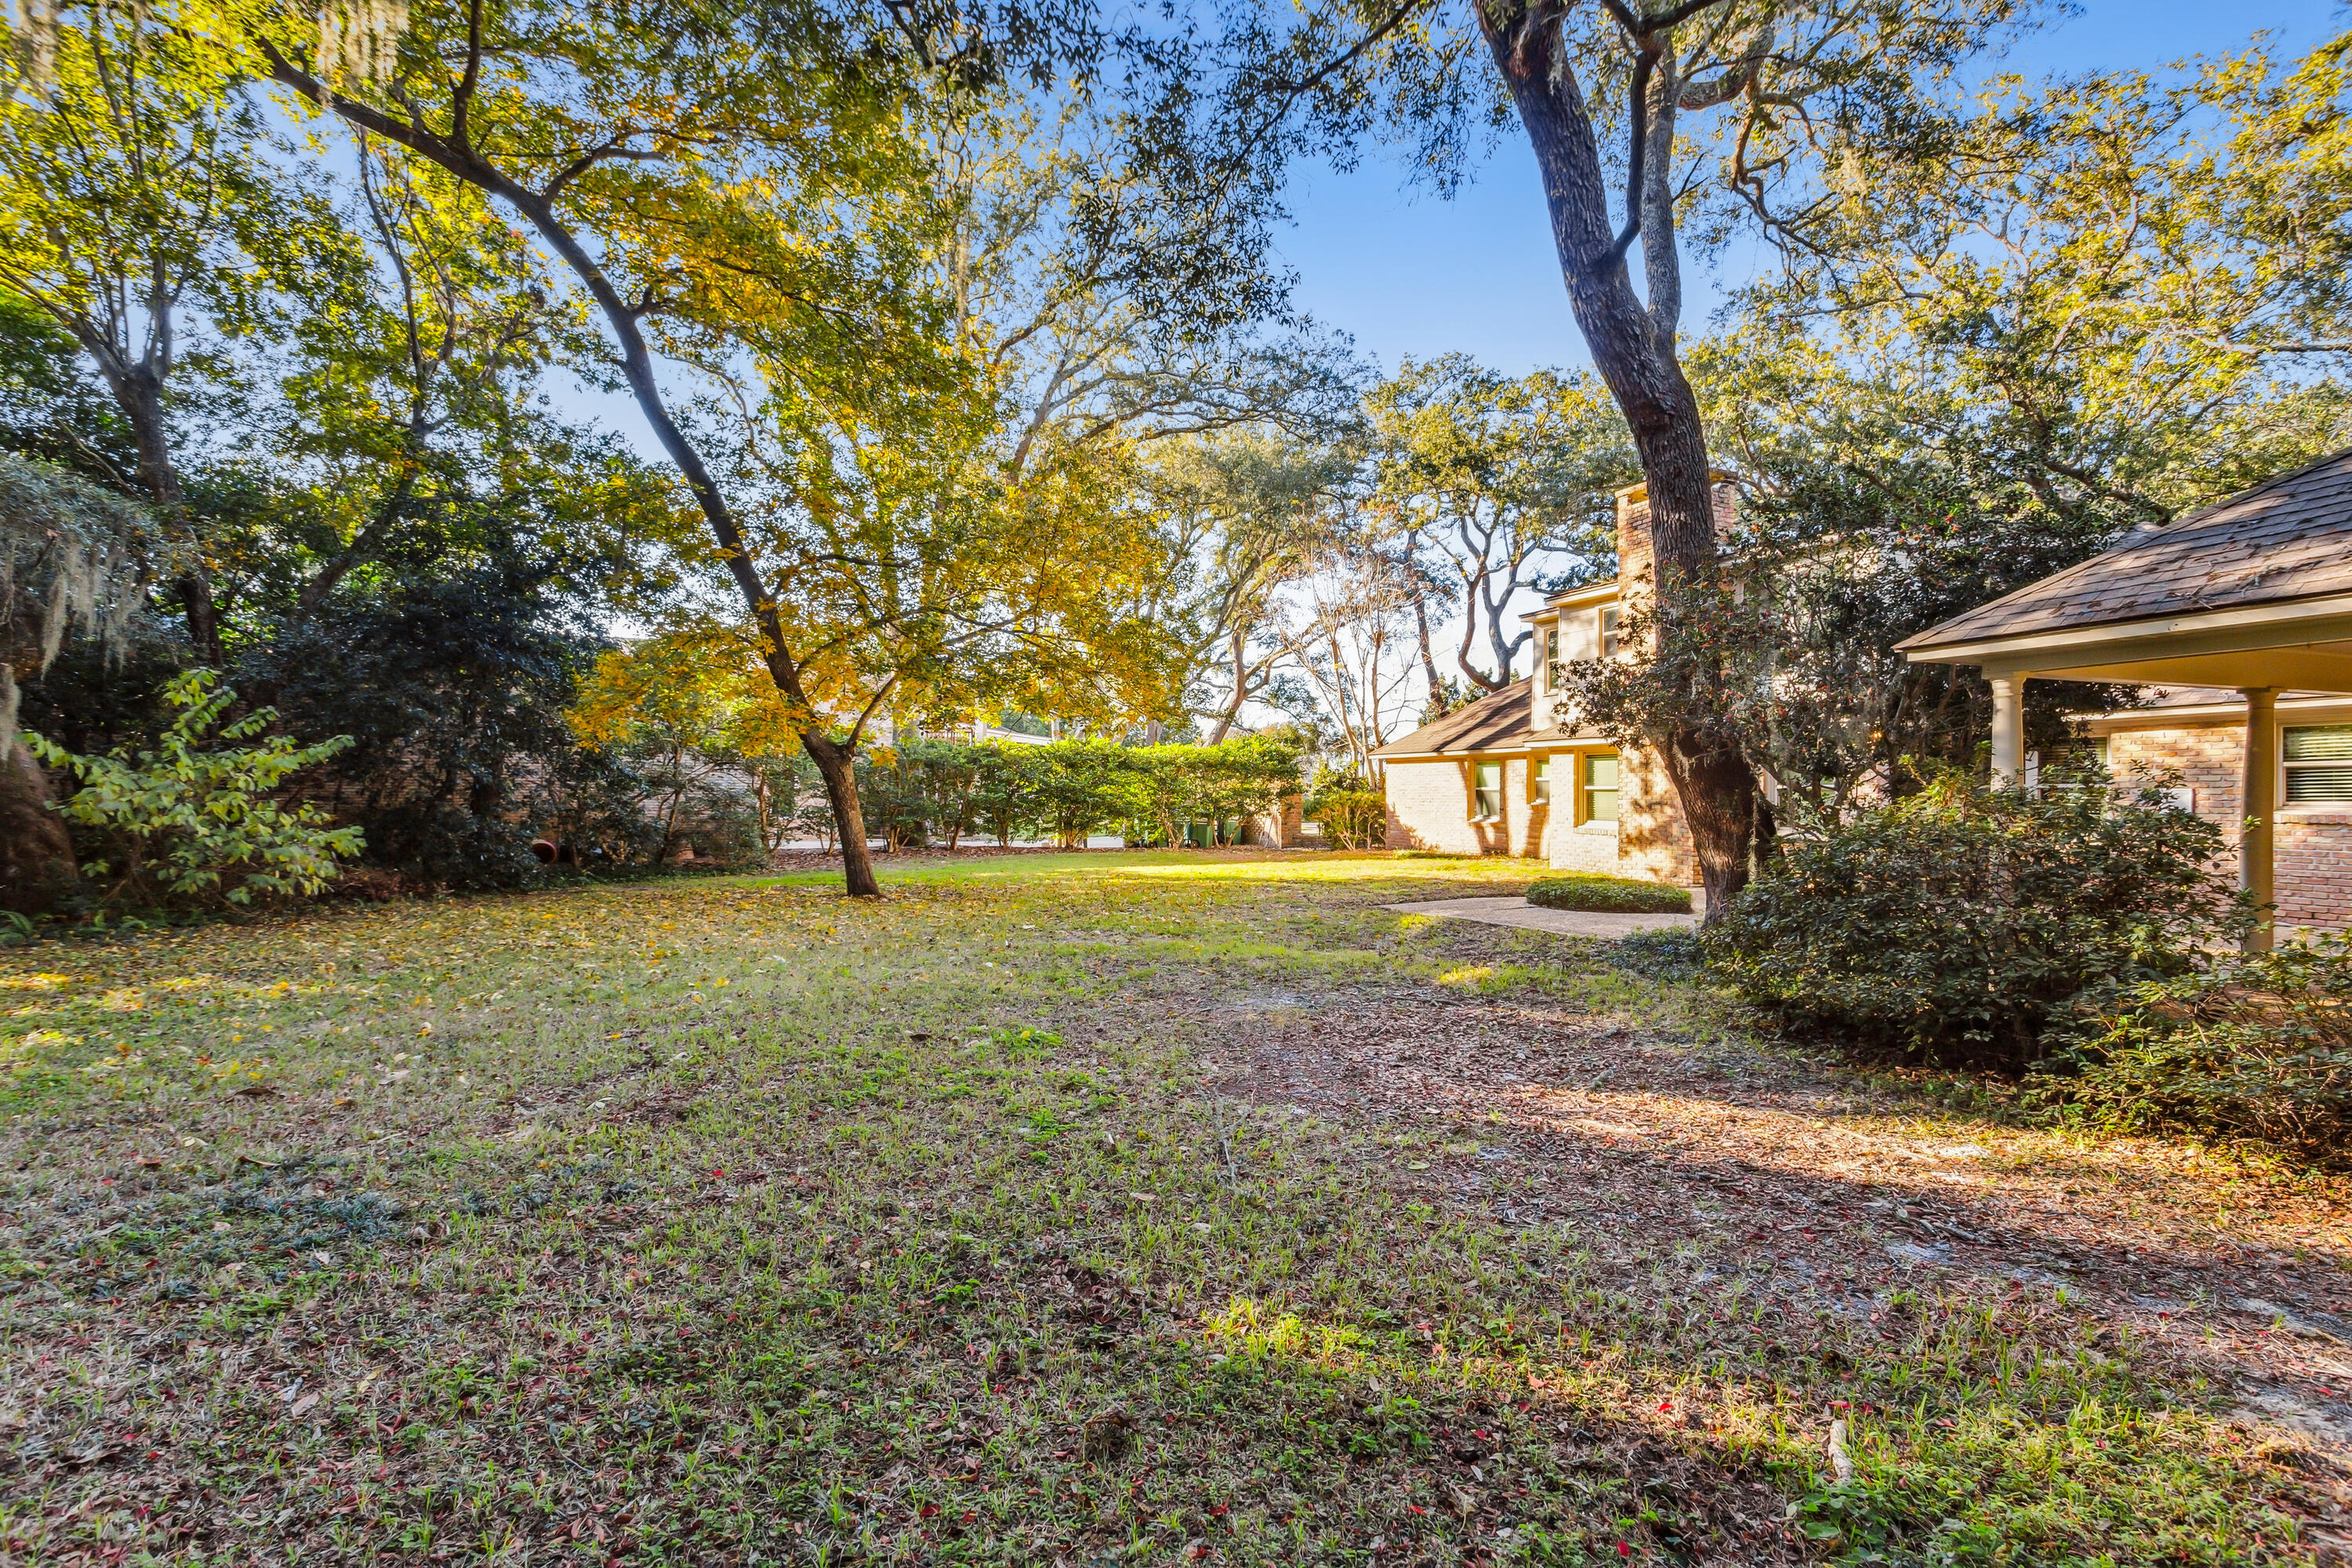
1599 785
1609 632
1488 800
2318 765
1540 781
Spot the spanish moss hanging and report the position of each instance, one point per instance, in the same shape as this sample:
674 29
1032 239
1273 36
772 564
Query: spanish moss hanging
359 40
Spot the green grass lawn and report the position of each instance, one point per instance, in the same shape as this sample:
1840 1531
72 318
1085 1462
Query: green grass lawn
1008 1219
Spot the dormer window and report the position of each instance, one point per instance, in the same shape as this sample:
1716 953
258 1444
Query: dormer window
1609 631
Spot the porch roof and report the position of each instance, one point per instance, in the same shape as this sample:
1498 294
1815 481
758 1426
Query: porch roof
2253 592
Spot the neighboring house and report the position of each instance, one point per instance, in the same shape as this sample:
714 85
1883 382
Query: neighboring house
2239 617
1513 773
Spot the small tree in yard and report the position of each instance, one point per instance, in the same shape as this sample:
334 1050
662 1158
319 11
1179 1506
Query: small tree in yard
1352 814
1957 924
185 826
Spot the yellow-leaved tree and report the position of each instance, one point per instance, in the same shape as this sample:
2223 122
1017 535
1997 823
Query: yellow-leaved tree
747 200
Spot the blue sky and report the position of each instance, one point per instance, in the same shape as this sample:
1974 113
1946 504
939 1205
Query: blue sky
1406 273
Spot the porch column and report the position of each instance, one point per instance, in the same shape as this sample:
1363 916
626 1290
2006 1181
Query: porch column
2008 729
2258 801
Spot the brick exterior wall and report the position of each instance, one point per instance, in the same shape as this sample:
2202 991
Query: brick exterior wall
1651 840
2311 847
1428 808
1429 800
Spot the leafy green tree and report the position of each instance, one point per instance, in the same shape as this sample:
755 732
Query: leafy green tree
190 823
1079 787
137 210
1000 798
1729 114
747 202
2089 307
1245 517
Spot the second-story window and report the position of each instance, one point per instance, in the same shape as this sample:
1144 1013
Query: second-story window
1609 631
1552 658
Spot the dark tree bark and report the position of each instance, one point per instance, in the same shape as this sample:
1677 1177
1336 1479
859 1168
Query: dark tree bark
37 858
1632 347
138 390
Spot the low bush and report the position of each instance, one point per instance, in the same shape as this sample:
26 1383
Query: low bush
188 825
1954 925
1609 895
2257 1048
1351 817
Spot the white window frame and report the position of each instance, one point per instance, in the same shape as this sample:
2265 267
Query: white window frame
1585 789
1540 780
2288 769
1605 621
1477 811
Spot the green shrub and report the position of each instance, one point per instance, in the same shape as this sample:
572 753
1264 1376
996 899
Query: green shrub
181 825
1609 895
1351 813
1955 924
1661 952
2258 1049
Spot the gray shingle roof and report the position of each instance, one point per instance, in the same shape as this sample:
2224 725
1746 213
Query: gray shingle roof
2288 538
1498 723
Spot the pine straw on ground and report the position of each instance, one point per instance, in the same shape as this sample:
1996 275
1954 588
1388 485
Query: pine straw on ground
1160 1208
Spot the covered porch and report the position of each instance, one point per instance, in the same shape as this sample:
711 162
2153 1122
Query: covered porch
2253 596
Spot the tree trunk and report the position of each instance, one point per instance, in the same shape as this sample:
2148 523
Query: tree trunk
1634 351
833 762
1420 610
139 392
36 860
457 155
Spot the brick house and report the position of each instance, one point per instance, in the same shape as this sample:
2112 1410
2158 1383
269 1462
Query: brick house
1513 773
2241 617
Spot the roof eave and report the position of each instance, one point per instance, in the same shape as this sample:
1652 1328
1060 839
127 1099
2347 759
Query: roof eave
2324 618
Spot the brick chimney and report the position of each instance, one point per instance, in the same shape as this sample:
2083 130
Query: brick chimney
1634 555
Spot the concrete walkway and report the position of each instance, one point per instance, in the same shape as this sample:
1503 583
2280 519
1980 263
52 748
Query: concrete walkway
1526 916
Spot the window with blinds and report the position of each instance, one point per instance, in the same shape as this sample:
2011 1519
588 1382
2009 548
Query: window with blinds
1487 802
1600 787
2319 763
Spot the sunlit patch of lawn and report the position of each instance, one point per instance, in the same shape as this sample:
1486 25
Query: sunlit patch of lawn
731 1221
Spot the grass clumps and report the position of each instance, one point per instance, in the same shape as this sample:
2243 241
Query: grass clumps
1609 895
